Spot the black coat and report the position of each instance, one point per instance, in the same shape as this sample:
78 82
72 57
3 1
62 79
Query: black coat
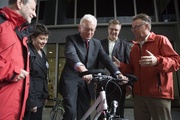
38 79
121 49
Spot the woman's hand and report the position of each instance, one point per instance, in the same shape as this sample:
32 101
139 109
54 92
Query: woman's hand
34 109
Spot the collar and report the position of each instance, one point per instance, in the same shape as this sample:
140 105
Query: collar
145 40
12 16
110 41
147 37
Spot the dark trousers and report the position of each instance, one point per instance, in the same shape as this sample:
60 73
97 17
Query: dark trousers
34 116
77 102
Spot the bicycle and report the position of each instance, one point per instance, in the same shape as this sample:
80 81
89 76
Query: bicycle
57 110
100 104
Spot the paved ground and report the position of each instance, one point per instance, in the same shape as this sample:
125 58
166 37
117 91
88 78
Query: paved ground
128 114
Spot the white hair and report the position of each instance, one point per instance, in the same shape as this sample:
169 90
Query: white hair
90 18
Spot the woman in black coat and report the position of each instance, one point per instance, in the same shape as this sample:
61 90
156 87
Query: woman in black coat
38 93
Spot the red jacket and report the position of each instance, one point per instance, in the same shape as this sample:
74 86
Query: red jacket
156 81
13 57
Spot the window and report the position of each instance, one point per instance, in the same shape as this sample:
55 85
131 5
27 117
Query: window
47 12
61 62
105 10
53 78
166 11
51 54
70 11
125 11
66 12
147 7
84 7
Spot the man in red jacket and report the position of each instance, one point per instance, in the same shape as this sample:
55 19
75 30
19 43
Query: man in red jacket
153 60
14 62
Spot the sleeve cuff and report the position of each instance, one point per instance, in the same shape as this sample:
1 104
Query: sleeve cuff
77 65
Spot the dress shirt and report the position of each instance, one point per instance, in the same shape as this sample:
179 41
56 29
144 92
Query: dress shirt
111 46
142 42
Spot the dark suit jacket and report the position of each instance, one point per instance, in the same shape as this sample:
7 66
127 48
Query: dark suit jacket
121 49
75 51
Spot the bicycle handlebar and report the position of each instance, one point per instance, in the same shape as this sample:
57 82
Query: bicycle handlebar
100 75
95 71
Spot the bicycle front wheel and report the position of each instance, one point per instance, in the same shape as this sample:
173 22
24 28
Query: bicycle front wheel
57 114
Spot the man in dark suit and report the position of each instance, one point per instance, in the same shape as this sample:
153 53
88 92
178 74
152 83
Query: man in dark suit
76 91
120 49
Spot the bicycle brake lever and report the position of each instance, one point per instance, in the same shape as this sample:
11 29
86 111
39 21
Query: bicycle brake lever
132 78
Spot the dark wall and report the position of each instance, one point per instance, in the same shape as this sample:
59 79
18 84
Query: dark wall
170 30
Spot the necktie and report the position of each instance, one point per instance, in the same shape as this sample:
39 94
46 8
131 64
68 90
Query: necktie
87 44
87 48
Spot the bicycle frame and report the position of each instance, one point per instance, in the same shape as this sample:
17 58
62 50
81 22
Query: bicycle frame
102 106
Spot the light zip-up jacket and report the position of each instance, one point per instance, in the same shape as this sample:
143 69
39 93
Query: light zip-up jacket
153 81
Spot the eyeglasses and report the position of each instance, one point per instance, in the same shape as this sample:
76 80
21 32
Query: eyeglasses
137 26
88 29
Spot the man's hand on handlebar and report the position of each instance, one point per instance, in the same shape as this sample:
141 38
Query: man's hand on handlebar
124 80
98 75
87 78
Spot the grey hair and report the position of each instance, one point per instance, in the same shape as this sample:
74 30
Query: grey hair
90 18
143 17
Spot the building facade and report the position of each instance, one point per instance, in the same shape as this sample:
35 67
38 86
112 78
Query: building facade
62 18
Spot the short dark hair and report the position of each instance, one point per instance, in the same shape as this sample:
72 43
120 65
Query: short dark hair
114 22
14 1
40 29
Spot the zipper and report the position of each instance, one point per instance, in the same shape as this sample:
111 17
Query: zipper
140 47
159 82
